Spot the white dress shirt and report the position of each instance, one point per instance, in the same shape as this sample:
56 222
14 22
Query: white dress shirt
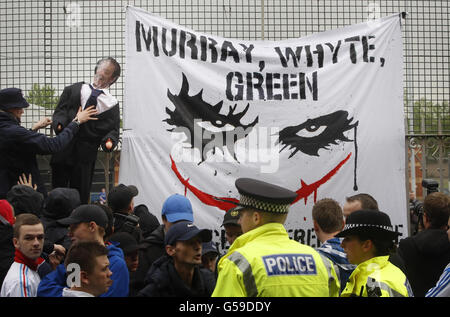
104 102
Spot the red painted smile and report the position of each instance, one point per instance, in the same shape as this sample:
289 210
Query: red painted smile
302 193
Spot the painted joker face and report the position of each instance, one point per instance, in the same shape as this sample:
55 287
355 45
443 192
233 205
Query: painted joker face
313 137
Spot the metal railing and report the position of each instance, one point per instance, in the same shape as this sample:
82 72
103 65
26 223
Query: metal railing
46 45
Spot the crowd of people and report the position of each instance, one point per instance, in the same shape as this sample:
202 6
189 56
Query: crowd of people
68 249
56 244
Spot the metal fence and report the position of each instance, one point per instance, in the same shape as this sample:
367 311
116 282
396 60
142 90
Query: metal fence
46 45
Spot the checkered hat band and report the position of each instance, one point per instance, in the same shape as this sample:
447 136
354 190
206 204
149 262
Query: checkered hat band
263 205
358 225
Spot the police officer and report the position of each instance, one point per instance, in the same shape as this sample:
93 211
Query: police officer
368 240
263 261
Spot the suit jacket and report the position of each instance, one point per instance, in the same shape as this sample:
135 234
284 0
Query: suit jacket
92 134
425 256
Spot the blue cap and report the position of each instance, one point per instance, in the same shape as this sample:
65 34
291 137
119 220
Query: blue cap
184 231
176 208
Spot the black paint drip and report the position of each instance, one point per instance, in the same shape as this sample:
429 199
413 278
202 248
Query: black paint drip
355 185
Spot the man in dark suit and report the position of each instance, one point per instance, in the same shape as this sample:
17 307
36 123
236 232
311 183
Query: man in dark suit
426 254
74 167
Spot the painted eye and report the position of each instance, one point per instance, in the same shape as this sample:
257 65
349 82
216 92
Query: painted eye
318 133
192 112
311 131
213 128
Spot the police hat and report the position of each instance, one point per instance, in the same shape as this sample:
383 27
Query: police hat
372 223
231 217
12 98
263 196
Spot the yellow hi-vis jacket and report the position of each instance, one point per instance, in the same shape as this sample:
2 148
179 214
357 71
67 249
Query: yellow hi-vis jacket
264 262
377 277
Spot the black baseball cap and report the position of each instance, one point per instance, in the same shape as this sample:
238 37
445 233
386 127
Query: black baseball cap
184 231
126 241
86 213
208 247
120 196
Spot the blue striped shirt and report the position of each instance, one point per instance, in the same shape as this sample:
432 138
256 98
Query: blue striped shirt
442 288
332 250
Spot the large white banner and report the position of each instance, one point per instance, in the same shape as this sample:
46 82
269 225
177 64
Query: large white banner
321 115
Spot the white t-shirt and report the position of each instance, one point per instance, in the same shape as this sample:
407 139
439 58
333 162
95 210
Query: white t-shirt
67 292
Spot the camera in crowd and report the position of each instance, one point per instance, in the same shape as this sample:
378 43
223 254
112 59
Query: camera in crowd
416 206
127 223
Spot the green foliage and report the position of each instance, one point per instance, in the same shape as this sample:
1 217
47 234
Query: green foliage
43 96
429 118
